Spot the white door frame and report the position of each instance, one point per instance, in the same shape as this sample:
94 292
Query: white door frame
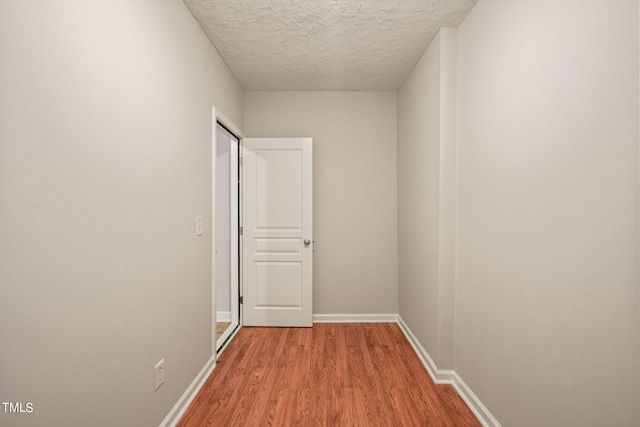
230 180
218 117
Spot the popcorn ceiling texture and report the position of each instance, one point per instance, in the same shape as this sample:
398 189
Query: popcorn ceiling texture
324 44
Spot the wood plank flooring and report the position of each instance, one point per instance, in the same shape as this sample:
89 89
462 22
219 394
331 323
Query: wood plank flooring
354 374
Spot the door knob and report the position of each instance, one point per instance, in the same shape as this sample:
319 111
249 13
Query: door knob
307 242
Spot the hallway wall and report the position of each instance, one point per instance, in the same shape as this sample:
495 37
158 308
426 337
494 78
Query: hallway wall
546 242
427 197
354 167
105 161
547 274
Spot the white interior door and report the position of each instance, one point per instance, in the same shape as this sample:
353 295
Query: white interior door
277 222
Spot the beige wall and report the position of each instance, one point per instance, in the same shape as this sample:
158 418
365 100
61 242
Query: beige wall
354 142
418 180
545 211
105 161
426 198
547 243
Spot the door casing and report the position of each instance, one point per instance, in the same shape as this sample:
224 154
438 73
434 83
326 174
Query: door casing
219 117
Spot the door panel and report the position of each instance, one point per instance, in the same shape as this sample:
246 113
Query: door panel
277 220
278 284
279 189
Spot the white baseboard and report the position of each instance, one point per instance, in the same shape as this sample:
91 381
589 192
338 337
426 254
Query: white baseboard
439 376
355 318
478 408
442 376
187 397
223 316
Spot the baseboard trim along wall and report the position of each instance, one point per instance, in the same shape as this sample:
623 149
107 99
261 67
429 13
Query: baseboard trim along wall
223 316
355 318
441 376
187 397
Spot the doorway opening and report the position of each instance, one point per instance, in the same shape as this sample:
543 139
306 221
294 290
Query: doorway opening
227 236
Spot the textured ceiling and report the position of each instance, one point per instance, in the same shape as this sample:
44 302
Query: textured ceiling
324 44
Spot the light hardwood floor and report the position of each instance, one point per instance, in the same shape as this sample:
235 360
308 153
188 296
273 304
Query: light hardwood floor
329 375
220 328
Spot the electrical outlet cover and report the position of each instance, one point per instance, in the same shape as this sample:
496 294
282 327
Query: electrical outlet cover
159 374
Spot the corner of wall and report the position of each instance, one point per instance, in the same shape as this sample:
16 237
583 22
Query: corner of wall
427 112
448 376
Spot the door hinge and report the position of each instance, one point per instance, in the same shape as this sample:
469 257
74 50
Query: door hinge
241 300
241 231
